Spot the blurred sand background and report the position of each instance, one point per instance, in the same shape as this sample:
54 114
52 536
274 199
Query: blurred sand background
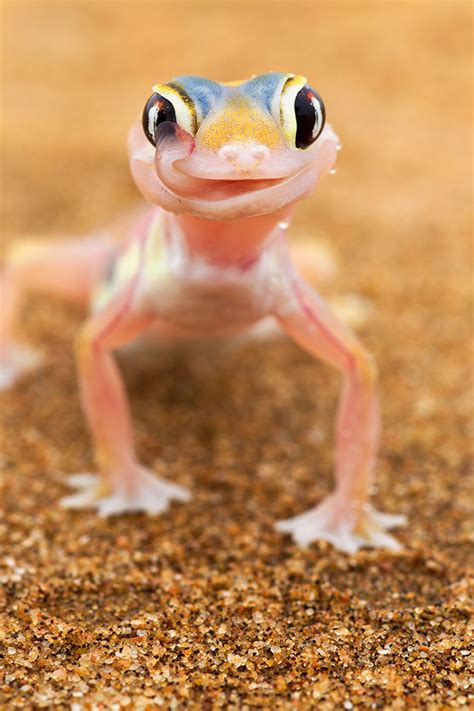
208 607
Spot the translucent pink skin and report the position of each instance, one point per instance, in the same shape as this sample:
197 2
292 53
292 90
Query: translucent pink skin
228 218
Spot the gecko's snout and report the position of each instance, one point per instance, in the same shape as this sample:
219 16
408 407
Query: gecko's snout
243 157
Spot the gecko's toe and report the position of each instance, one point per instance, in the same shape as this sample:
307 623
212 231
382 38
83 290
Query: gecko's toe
385 520
15 361
88 492
352 309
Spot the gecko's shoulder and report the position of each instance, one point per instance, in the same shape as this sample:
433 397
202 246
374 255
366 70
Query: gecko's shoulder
141 253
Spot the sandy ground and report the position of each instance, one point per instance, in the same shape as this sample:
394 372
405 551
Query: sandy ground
208 607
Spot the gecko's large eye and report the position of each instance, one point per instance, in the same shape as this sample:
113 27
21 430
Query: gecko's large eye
310 116
169 102
302 112
157 110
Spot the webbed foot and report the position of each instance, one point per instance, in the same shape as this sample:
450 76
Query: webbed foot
148 493
329 522
15 361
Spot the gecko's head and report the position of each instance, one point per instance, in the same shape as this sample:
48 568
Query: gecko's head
221 151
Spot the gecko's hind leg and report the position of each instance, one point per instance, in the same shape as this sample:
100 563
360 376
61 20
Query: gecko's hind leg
314 261
68 269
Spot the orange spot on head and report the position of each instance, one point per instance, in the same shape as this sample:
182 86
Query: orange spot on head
239 120
237 82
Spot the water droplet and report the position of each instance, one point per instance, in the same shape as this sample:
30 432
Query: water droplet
332 171
338 146
283 225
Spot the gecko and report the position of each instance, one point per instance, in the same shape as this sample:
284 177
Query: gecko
223 165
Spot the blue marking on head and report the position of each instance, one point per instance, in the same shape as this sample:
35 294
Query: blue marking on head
204 92
263 87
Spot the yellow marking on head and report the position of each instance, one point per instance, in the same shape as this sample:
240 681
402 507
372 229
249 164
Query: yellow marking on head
287 106
239 120
183 105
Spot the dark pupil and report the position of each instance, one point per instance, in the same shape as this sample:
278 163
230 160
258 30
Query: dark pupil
165 112
307 117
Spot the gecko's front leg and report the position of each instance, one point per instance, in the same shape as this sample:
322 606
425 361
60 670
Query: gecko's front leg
123 483
345 518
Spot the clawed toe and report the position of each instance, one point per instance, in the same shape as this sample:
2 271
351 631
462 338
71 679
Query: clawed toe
83 481
88 492
389 520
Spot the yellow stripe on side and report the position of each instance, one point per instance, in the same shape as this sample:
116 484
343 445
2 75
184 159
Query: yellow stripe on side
125 268
154 265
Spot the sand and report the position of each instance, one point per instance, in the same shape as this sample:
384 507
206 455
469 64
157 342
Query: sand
208 607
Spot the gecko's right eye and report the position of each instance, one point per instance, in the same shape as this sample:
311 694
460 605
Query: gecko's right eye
310 116
169 102
157 110
302 112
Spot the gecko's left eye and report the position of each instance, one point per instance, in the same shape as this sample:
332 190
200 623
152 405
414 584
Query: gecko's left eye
169 102
302 112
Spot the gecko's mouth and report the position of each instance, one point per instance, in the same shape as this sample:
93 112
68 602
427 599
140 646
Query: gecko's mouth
227 199
168 179
216 189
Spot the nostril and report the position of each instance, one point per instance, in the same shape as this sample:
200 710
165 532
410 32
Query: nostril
260 152
228 153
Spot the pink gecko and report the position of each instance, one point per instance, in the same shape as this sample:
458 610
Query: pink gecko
223 166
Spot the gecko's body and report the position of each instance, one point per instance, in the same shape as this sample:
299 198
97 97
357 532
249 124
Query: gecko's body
186 294
223 164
